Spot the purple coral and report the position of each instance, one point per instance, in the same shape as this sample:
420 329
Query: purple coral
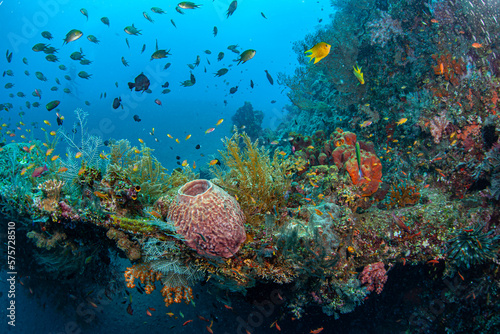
374 276
209 219
67 212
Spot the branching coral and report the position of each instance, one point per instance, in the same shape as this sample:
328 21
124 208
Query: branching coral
130 248
42 241
401 195
258 182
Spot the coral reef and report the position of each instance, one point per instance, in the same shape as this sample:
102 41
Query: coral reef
208 218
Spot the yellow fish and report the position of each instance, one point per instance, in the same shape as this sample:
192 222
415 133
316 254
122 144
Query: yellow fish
219 122
137 151
169 136
52 133
318 52
177 140
135 168
78 155
103 156
49 152
47 122
55 157
141 141
357 72
184 163
188 136
401 121
213 162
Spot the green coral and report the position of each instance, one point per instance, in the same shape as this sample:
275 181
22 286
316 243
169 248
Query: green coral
256 180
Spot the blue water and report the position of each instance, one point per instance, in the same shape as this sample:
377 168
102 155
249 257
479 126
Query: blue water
185 110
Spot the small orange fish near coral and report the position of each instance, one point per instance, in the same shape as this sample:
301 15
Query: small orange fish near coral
316 331
228 307
434 21
477 45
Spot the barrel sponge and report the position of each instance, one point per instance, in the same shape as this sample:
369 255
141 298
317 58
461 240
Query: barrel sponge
209 219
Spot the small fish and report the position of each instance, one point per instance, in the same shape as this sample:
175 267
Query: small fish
477 45
318 212
209 130
62 170
78 155
318 52
49 152
158 102
358 74
170 136
228 307
214 162
187 322
365 124
316 331
219 122
141 141
188 136
149 313
401 121
177 140
88 259
184 163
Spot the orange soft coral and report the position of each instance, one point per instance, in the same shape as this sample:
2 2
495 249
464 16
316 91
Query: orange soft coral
145 274
176 294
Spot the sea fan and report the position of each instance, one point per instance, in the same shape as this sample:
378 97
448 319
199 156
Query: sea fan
472 247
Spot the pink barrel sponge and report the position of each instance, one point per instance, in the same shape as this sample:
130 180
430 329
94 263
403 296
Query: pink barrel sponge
210 220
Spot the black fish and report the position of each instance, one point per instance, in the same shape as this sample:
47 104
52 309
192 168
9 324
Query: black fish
59 121
165 85
167 65
225 102
251 83
178 162
107 142
141 82
273 101
137 118
198 147
271 81
178 157
143 48
173 23
215 31
116 102
193 79
296 122
233 90
232 8
261 13
9 56
129 309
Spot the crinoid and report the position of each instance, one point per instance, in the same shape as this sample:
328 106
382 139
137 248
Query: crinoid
472 247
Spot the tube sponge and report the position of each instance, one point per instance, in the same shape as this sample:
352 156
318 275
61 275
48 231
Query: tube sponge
209 219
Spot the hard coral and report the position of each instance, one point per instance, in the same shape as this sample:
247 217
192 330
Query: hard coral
209 219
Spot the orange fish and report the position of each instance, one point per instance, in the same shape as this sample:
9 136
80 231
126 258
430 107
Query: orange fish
278 327
477 45
188 136
316 331
228 307
62 170
213 162
318 212
187 322
156 215
148 313
434 21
